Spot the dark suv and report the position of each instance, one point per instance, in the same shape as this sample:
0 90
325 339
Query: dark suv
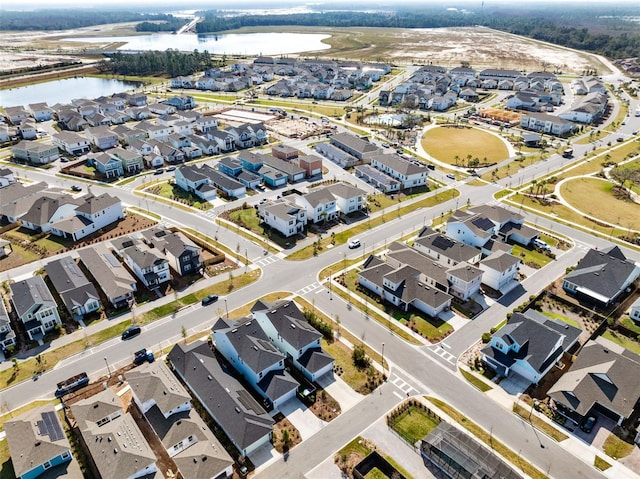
131 332
212 298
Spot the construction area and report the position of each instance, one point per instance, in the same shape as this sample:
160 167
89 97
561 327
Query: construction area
508 117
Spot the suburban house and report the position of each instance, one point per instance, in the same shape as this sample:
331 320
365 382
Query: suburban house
311 164
7 334
183 102
213 383
38 445
112 277
5 248
131 160
289 331
529 345
375 177
72 143
247 347
116 446
408 174
35 152
193 179
319 204
34 306
409 279
48 210
500 271
349 199
16 199
28 130
89 214
151 267
78 294
183 254
601 276
16 114
335 154
284 216
107 165
102 137
445 250
600 380
479 227
356 147
589 109
6 177
166 405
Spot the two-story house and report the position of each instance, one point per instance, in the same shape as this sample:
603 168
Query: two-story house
284 216
7 334
131 160
150 266
34 306
116 446
102 137
529 345
90 215
35 152
78 294
445 250
107 165
183 254
408 174
319 204
193 180
188 441
289 331
349 199
500 271
247 347
38 445
72 143
112 277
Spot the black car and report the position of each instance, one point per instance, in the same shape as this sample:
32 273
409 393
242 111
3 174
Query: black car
76 188
131 332
588 425
212 298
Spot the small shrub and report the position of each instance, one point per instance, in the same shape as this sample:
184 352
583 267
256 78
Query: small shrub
486 337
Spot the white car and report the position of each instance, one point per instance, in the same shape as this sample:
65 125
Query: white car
354 243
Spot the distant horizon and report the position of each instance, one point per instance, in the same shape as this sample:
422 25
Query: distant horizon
243 5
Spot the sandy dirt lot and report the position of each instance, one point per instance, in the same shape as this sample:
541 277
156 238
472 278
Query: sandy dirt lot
481 47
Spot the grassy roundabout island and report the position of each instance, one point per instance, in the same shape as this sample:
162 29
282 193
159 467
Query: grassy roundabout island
595 197
456 146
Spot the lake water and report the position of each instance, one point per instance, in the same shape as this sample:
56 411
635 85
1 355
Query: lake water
63 91
228 43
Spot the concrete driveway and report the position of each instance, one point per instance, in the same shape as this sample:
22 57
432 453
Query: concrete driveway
340 391
514 384
302 418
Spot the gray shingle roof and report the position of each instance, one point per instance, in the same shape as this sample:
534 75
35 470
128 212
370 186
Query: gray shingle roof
109 273
214 384
600 376
92 204
30 291
450 248
289 322
500 261
155 382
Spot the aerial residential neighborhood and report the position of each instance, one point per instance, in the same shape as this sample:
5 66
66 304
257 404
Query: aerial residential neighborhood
362 243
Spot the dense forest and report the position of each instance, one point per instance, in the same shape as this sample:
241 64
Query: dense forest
170 62
588 33
173 24
64 19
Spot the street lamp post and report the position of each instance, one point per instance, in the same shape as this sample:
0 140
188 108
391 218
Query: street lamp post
226 307
108 370
383 372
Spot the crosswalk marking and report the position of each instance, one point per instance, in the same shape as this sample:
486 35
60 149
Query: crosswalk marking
264 261
402 385
307 289
439 351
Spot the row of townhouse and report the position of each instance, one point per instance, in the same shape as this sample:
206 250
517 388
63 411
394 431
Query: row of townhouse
433 88
588 109
291 214
387 172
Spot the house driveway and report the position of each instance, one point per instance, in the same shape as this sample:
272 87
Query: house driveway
340 391
514 384
302 418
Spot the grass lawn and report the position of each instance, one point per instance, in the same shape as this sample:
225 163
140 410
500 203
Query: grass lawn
247 218
616 448
357 446
485 437
414 424
594 197
375 473
477 382
539 423
175 193
531 257
561 317
601 464
356 378
444 144
623 341
629 323
430 328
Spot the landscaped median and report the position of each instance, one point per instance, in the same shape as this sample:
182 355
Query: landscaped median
23 370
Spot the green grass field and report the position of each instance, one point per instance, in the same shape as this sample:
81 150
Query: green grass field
594 197
414 424
445 144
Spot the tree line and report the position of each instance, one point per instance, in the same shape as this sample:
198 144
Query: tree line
64 19
550 26
170 62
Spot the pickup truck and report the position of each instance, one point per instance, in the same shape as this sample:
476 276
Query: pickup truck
143 355
72 384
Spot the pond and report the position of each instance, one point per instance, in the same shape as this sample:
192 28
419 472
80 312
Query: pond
64 90
386 119
228 43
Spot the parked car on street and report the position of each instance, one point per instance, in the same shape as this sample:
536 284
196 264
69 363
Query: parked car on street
212 298
131 332
354 243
